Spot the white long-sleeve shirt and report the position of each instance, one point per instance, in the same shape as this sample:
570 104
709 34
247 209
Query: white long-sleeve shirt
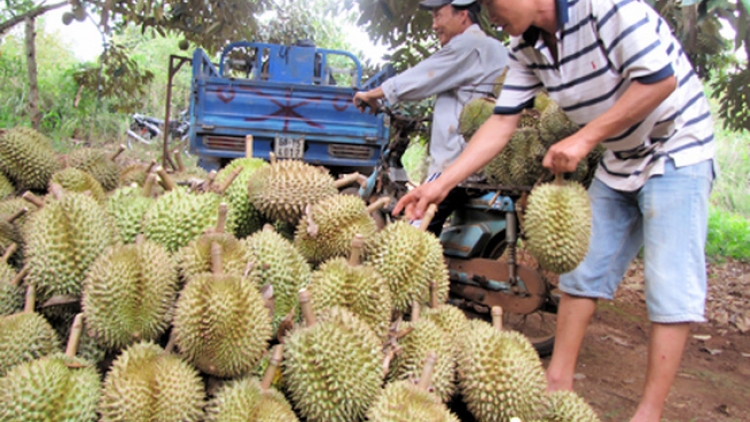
463 69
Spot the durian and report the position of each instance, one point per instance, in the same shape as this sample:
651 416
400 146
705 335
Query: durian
74 180
555 125
6 187
147 383
27 158
473 115
248 218
567 406
558 225
11 292
128 205
98 164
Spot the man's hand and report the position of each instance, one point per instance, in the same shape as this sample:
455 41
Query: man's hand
415 203
564 156
363 100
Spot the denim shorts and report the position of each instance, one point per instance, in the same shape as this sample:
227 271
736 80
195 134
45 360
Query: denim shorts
668 216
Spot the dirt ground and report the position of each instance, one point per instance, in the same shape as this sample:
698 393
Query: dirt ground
713 383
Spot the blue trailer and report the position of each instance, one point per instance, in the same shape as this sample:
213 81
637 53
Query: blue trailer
294 101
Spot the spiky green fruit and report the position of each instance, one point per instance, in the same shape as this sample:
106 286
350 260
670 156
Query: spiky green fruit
357 288
73 180
24 337
567 406
473 115
11 295
27 158
221 324
282 190
128 294
178 216
276 262
6 187
333 368
425 336
95 162
63 239
133 173
195 257
244 400
402 401
328 227
147 384
558 225
500 374
451 320
528 152
50 389
248 218
497 170
409 259
555 125
89 348
127 206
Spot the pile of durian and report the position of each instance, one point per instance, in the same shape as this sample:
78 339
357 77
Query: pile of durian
258 293
520 162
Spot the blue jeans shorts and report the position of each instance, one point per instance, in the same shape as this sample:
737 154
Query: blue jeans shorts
669 218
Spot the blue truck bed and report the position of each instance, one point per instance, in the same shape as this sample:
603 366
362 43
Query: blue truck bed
291 99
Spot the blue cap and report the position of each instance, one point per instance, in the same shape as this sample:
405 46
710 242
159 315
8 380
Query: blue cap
436 4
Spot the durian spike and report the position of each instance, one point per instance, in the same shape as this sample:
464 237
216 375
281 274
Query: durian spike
75 336
16 215
428 216
273 363
426 376
221 221
272 158
305 303
217 266
57 191
32 199
346 180
178 157
355 258
415 311
434 301
148 185
497 318
9 251
228 181
28 305
20 276
381 202
117 153
166 180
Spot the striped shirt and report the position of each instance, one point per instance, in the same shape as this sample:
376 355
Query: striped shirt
604 45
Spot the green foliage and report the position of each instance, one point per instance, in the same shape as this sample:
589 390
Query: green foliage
728 236
731 191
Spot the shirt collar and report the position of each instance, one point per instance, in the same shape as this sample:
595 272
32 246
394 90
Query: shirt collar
561 11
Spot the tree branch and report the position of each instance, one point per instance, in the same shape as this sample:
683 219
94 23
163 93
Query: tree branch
10 23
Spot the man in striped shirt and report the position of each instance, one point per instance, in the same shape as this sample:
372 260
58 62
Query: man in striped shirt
616 69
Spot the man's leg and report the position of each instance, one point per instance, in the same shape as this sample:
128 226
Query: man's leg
573 316
665 347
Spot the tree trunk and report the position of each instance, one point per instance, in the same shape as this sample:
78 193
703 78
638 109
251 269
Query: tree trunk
34 114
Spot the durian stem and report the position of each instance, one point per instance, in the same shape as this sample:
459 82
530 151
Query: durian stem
381 202
355 257
273 363
117 153
151 166
20 276
429 367
140 238
9 251
217 266
210 179
497 318
428 216
75 336
305 303
221 221
16 215
228 181
169 347
346 180
30 302
178 157
57 191
389 355
559 179
32 199
434 303
248 146
148 185
415 311
272 158
166 179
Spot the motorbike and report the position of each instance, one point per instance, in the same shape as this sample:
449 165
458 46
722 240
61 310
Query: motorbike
147 129
480 247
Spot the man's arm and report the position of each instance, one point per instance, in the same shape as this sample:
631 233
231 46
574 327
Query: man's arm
370 98
638 101
486 143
